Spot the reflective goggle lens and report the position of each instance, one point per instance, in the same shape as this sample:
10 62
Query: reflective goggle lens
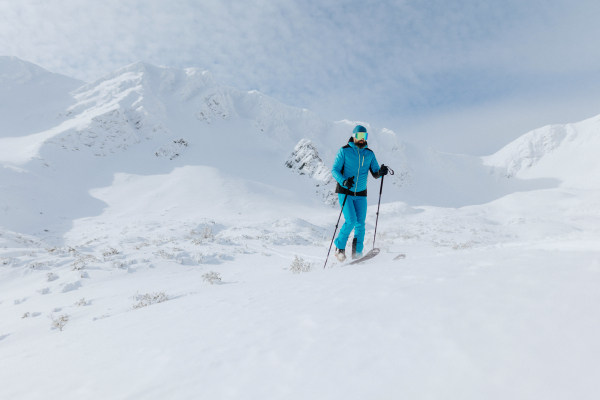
361 135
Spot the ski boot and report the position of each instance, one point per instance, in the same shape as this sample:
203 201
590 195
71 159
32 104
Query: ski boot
340 254
355 255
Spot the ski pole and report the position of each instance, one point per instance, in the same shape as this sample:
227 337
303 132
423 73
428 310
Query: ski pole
391 172
336 226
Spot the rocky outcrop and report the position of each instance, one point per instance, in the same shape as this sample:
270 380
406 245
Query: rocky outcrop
305 161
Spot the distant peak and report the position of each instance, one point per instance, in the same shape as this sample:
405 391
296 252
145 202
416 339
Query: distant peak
17 71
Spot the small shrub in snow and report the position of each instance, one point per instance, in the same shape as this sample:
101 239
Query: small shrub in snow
148 299
199 258
164 254
59 322
299 265
78 265
141 245
36 265
109 251
211 277
119 264
81 302
197 241
26 315
6 260
462 246
57 250
207 233
51 277
191 234
44 291
87 258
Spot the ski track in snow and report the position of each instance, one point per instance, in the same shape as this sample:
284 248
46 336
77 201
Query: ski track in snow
138 260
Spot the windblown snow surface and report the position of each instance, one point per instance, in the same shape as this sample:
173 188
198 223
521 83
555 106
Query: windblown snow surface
163 237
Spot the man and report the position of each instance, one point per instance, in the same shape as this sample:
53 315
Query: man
350 169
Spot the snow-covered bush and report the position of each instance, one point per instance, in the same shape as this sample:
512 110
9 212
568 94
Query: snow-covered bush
148 299
51 277
81 302
163 254
109 251
56 250
207 233
44 290
26 315
299 265
118 264
199 258
87 258
462 246
78 265
36 265
7 260
59 322
141 245
211 277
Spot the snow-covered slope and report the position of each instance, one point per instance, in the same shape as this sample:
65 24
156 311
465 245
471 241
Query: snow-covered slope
568 153
31 98
162 236
147 120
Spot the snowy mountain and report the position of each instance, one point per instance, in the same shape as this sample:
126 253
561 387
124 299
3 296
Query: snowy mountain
143 119
162 236
31 98
567 153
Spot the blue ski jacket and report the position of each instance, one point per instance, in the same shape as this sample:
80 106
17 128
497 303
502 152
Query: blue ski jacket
352 161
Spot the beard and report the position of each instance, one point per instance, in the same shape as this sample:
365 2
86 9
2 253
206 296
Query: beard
361 144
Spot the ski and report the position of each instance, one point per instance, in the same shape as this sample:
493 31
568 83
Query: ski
368 256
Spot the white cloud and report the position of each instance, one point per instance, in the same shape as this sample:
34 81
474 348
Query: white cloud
356 59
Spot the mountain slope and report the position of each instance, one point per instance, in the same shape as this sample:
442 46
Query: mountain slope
147 120
567 153
184 243
31 98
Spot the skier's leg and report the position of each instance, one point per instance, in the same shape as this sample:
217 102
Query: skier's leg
360 207
349 221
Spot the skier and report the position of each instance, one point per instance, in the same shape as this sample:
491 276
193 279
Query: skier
350 170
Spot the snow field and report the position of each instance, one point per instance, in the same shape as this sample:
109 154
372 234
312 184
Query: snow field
162 236
491 302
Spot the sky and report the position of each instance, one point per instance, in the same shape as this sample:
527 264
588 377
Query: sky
459 76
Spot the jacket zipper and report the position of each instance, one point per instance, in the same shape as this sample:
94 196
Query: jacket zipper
358 173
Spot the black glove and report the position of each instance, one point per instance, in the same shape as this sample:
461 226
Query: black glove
383 170
349 182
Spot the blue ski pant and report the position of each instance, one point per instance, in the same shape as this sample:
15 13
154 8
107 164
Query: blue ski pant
355 213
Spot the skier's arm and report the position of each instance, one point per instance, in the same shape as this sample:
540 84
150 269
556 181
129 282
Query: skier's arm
374 167
338 164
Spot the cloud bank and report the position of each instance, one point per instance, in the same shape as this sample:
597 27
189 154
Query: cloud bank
397 62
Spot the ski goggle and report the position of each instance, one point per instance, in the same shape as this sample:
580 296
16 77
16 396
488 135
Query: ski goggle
361 135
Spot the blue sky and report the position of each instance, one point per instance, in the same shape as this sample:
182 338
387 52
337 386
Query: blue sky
460 76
